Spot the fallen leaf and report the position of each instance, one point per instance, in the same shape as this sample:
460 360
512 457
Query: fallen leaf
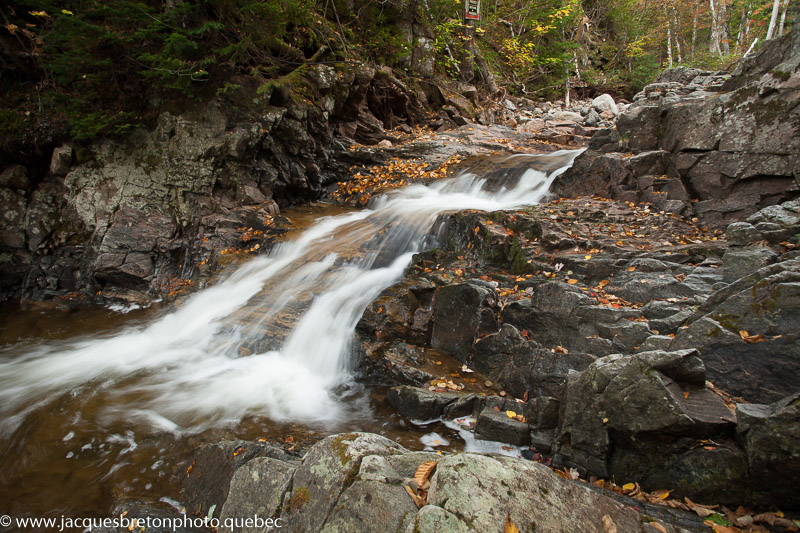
750 339
603 284
628 487
608 524
511 414
418 500
658 527
510 526
572 281
424 472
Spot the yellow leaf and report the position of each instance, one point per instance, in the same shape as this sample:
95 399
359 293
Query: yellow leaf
572 281
511 414
66 12
587 256
603 283
510 526
628 486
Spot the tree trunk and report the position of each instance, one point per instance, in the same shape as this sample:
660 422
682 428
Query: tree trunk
783 17
773 19
669 37
722 22
486 74
713 46
467 68
694 25
743 27
677 34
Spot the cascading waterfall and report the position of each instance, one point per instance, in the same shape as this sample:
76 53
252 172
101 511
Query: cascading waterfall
274 338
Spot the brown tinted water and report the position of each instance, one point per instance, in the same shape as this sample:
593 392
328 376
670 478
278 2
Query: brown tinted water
70 458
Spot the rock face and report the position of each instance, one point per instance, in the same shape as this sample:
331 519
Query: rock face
360 482
620 335
623 415
133 217
727 143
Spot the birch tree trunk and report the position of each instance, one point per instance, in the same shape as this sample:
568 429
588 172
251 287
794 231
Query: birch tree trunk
722 31
714 43
677 34
669 37
783 17
694 25
773 19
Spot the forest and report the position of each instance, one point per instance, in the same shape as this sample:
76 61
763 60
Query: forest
90 68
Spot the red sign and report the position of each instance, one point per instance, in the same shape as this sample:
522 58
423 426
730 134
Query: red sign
473 9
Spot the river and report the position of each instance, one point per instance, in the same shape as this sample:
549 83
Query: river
96 406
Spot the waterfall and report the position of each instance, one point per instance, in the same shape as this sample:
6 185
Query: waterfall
271 340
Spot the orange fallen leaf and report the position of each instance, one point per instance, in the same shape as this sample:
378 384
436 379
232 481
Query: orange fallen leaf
603 284
510 526
572 281
424 472
750 339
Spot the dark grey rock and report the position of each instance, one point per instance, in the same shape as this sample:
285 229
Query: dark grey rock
771 437
742 234
741 262
766 303
420 404
497 426
462 313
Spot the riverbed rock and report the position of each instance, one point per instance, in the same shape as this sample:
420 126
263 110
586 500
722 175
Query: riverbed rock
746 333
729 151
357 482
771 436
624 412
208 476
605 102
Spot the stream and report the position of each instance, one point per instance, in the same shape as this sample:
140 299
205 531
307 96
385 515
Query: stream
97 405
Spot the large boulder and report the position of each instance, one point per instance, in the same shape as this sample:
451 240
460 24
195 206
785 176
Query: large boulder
638 418
771 436
746 333
361 482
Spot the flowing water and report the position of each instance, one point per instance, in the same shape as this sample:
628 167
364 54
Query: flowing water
271 342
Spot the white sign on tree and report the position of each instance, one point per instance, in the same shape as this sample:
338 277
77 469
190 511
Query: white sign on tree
473 9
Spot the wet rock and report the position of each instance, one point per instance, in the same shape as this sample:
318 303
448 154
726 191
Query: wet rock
525 366
497 426
771 436
462 313
739 263
619 412
212 469
153 513
422 404
764 303
394 363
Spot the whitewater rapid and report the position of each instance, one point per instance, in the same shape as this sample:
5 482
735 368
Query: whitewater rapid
204 365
